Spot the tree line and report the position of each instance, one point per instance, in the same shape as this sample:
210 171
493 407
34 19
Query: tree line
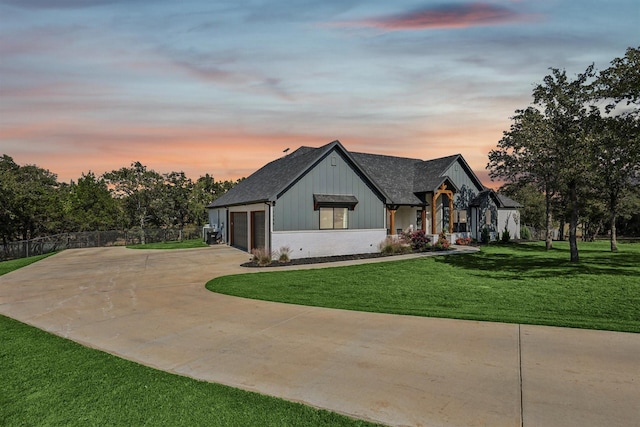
34 204
576 149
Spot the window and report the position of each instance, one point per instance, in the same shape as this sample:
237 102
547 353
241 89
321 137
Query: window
334 218
488 217
334 210
460 221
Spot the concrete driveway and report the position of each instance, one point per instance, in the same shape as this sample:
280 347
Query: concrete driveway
152 307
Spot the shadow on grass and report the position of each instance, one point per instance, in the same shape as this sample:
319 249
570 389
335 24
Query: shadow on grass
534 261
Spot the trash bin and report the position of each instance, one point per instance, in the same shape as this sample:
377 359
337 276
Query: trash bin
211 237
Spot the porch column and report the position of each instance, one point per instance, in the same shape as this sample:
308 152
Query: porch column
392 221
424 218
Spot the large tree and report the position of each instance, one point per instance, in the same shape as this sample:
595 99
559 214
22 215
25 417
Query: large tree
564 104
30 201
616 135
615 157
90 206
171 205
137 187
527 154
620 83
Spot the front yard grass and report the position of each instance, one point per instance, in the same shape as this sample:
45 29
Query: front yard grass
51 381
515 283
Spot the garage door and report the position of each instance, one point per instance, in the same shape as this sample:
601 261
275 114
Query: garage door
239 230
257 230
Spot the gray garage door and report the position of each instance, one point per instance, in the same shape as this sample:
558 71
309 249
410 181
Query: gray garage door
257 230
239 230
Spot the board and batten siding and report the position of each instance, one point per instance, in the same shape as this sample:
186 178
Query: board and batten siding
332 175
467 189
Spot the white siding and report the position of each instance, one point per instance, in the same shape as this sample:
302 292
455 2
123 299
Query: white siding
317 243
510 218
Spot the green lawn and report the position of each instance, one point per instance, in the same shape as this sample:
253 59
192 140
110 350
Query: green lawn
14 264
518 283
184 244
51 381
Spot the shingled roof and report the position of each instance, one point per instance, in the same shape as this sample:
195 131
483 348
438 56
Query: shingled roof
501 201
268 182
401 180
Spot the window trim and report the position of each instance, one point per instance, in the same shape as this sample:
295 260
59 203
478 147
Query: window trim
344 221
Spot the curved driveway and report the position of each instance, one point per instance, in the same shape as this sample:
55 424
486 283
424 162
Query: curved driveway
152 307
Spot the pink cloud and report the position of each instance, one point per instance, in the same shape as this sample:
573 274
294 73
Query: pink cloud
446 16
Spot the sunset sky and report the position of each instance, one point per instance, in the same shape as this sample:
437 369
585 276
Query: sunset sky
223 87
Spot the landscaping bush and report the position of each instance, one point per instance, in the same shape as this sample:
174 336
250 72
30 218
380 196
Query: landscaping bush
525 233
261 256
443 242
463 241
506 236
283 254
419 241
485 237
393 245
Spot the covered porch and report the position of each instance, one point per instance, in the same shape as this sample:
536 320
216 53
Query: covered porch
434 215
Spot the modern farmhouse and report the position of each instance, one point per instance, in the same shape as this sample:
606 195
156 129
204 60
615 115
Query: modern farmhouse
329 201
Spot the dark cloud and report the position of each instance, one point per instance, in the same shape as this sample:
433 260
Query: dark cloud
445 16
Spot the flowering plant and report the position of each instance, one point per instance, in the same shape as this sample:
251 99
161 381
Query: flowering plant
443 243
463 241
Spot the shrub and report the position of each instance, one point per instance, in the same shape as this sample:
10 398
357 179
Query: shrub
419 241
283 254
261 256
394 246
485 237
525 233
463 241
506 236
443 242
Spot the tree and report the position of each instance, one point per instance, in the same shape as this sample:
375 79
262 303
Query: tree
8 195
31 202
527 154
205 190
171 205
616 137
546 145
90 205
616 160
136 187
563 103
621 81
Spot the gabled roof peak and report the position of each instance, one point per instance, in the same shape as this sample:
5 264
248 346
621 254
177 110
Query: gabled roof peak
399 180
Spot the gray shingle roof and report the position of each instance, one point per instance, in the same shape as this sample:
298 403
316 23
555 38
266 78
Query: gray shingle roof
401 180
501 201
390 173
267 182
507 202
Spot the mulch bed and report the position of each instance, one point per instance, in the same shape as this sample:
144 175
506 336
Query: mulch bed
317 260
